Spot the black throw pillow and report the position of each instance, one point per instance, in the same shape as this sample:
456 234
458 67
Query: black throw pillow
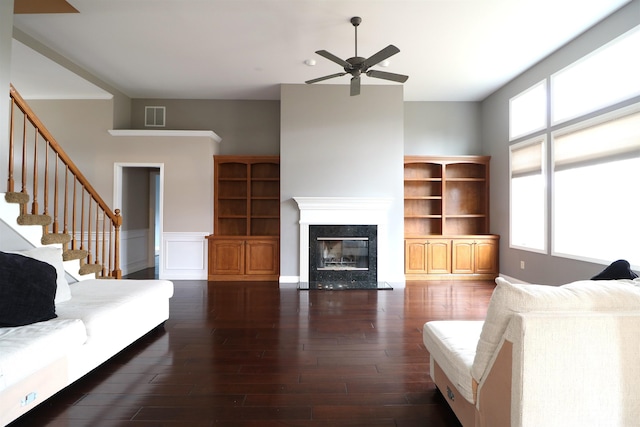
27 290
620 269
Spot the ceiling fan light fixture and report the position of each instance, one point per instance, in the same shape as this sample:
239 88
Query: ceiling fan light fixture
357 66
310 62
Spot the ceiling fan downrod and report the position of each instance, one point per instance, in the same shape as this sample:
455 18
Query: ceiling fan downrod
355 21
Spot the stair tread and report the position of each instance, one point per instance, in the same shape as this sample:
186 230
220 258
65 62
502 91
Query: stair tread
53 238
15 197
32 219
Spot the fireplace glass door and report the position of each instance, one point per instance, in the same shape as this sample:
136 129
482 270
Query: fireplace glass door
343 253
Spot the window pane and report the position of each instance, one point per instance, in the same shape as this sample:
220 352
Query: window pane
528 194
528 212
607 76
596 212
528 111
619 136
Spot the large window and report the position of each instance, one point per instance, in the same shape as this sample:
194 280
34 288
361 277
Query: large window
594 138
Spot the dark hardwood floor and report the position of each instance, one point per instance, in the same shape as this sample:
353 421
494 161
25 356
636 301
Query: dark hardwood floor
251 354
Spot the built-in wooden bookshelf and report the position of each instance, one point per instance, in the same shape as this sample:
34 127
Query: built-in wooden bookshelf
446 205
246 218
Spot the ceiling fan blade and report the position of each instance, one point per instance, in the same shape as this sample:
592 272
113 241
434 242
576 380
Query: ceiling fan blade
332 57
376 58
319 79
387 76
355 86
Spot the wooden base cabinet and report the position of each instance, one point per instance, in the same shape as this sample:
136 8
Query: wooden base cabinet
243 258
427 256
460 257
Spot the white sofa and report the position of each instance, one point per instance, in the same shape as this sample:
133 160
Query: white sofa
96 319
544 356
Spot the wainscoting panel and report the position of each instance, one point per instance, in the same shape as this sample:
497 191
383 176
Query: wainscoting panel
184 256
134 250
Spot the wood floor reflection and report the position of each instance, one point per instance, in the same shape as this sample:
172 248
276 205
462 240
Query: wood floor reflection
252 354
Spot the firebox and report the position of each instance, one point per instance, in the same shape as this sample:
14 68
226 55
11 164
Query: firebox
343 253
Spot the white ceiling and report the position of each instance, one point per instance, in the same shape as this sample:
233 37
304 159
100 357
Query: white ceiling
453 50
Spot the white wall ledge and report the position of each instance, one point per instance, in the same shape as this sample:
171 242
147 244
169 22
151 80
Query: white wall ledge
165 132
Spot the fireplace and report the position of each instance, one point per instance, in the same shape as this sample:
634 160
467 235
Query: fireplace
343 242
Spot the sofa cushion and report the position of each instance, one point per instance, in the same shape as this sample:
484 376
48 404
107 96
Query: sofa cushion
51 255
27 290
509 298
27 349
452 344
107 306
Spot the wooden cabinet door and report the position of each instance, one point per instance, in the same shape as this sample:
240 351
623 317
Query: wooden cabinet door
226 257
415 256
463 256
486 256
439 256
262 257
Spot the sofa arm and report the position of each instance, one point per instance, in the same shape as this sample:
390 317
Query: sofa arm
567 369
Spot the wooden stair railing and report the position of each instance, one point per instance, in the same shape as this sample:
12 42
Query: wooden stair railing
71 213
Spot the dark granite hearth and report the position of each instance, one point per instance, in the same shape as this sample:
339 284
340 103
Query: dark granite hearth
344 286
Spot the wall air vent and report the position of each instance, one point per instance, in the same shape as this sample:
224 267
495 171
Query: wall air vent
154 116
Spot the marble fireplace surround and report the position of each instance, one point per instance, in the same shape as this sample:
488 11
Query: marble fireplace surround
344 211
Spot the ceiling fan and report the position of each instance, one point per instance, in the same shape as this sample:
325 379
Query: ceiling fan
358 65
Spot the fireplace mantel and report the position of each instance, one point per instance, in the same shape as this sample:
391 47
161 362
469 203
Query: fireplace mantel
346 211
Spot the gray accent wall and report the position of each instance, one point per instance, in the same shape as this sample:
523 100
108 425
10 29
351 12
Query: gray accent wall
541 268
336 145
246 127
442 128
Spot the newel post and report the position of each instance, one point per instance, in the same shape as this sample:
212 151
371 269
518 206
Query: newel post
117 222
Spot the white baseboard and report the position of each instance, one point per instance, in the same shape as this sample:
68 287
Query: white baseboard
184 256
512 279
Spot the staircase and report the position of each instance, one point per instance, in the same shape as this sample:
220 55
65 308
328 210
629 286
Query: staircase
52 194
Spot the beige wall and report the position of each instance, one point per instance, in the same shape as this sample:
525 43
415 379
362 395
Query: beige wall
6 25
81 127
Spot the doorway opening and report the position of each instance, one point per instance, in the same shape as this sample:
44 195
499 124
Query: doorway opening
138 193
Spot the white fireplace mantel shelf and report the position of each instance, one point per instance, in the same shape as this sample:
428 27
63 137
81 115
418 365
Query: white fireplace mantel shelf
343 211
